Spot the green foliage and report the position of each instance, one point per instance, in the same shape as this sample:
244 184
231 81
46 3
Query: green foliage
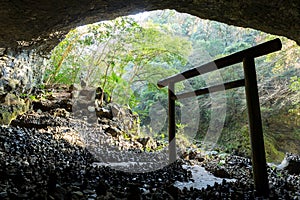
295 84
295 87
272 152
147 97
235 47
115 55
127 58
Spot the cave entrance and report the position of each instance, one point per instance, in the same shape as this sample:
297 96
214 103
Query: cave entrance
124 59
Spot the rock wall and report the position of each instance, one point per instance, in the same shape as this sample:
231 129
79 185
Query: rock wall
21 70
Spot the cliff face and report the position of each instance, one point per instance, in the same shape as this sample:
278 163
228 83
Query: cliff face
44 22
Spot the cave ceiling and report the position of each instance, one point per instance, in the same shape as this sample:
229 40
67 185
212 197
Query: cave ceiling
45 22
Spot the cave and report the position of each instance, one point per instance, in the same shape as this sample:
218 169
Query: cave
31 29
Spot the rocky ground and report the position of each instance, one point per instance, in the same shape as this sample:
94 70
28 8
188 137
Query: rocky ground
45 155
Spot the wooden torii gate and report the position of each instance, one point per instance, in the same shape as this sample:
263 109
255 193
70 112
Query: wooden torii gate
254 116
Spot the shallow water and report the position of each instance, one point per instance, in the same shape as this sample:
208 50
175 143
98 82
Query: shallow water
201 178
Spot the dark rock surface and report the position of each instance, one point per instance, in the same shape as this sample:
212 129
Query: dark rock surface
43 23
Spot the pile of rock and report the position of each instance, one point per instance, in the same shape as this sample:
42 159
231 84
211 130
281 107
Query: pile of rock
36 164
51 153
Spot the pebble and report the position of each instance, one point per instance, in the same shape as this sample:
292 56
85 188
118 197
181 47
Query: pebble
38 163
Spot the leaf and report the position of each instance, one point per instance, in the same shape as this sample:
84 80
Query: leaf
115 77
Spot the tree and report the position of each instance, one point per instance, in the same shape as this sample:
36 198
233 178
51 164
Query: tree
116 53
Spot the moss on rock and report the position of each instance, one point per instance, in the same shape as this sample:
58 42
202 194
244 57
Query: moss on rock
12 107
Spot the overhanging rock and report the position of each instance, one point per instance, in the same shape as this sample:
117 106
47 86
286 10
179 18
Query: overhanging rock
27 22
